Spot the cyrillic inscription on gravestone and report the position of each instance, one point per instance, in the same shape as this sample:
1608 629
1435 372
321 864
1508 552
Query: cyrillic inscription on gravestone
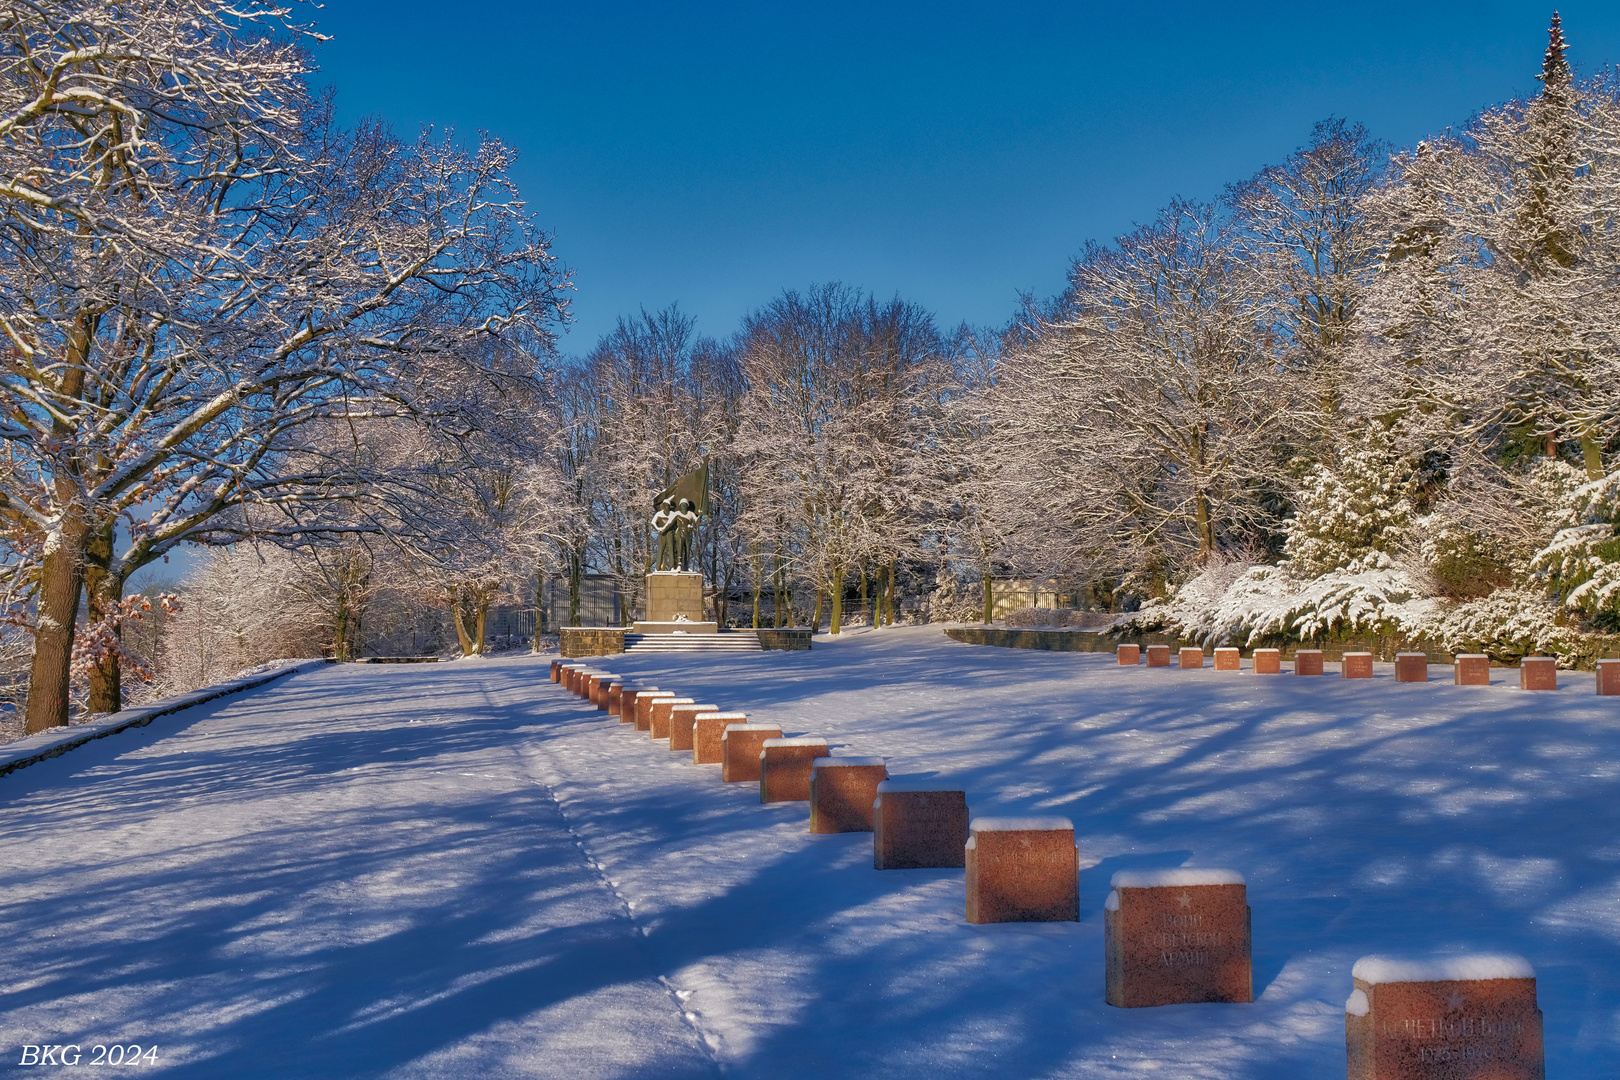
1470 1017
1176 936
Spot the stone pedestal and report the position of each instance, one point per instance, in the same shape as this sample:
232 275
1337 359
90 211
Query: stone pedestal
1128 655
1411 667
1158 656
784 768
1228 659
1190 658
707 727
644 704
1177 936
1608 676
1356 665
1470 1017
1471 669
681 719
740 747
916 823
1308 662
1538 673
1022 870
556 669
1268 661
672 594
842 791
661 708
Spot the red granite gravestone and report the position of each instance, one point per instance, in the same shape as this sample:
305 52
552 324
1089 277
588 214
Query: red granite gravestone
627 702
1268 661
1190 658
556 670
644 704
1469 1017
740 746
1608 677
604 687
707 727
1411 667
1158 656
1228 659
1022 870
916 823
680 724
1177 936
784 768
842 791
1356 665
1471 669
1308 662
570 674
1128 655
1538 673
661 708
614 695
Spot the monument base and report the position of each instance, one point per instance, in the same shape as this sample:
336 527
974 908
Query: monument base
686 627
674 593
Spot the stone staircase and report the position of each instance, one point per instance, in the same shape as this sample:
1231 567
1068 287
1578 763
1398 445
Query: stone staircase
728 641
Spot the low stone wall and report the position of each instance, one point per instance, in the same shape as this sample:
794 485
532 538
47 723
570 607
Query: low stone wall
785 638
1383 649
576 641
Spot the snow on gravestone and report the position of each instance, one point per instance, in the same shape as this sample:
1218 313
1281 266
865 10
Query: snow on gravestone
1469 1017
1022 870
1158 656
707 727
1177 936
1190 658
784 767
1268 661
644 704
842 791
680 724
917 823
1228 659
739 750
1308 662
1128 655
661 708
1356 665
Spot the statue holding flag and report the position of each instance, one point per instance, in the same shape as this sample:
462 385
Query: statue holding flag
676 512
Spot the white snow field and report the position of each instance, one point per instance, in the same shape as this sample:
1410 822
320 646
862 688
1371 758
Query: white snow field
461 870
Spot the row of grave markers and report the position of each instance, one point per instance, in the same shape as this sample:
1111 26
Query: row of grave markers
1468 669
1170 936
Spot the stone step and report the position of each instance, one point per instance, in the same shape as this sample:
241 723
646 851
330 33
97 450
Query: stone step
746 641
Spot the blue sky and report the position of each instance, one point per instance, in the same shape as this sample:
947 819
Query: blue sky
714 154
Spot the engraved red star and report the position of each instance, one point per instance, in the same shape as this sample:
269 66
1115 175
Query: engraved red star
1455 1001
1184 900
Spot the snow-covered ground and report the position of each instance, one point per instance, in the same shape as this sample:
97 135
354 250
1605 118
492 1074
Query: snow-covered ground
461 870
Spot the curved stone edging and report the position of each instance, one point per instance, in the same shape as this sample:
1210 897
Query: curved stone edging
32 749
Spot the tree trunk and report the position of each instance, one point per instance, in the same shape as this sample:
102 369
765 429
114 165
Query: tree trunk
539 606
837 600
1593 455
815 624
104 593
61 578
576 568
1206 527
481 621
989 597
894 565
866 603
461 627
